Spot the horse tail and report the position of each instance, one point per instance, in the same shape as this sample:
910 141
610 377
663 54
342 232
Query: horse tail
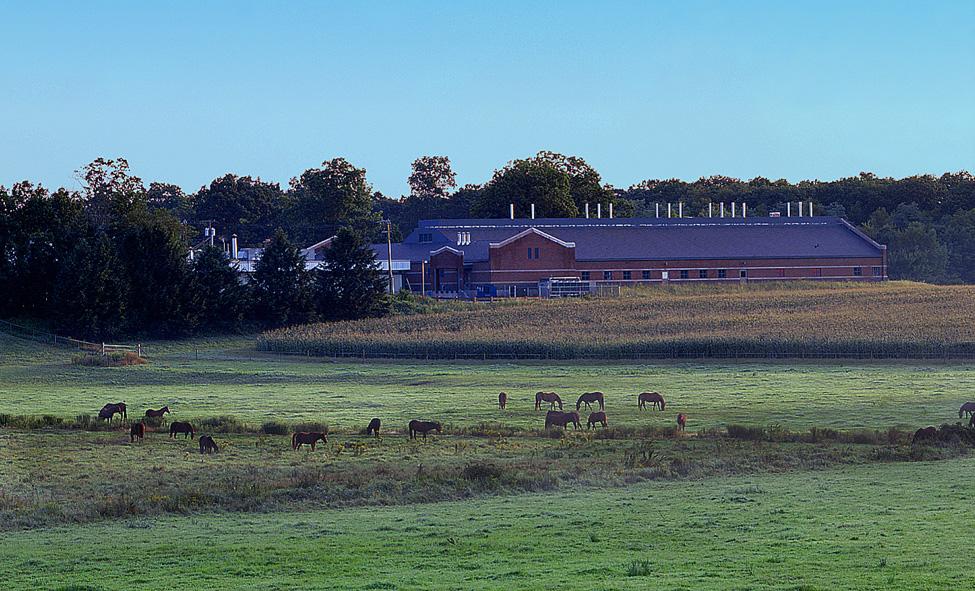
961 410
294 441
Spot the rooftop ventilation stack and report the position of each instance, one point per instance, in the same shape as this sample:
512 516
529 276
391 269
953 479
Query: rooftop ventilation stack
722 209
533 211
610 211
599 210
732 209
511 209
587 210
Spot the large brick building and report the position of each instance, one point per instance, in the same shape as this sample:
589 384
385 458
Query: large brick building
521 256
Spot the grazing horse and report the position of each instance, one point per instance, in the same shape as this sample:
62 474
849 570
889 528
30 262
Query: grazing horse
925 434
968 408
655 399
550 397
590 397
971 422
597 417
155 414
177 427
373 428
137 430
423 427
502 400
299 439
557 418
208 445
681 422
109 411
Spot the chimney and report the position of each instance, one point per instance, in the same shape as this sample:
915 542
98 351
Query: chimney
233 247
512 209
587 210
533 211
732 209
668 211
658 209
610 211
722 209
788 209
599 210
680 209
710 207
800 209
744 210
810 209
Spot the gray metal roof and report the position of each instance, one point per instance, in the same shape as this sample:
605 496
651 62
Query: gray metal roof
653 238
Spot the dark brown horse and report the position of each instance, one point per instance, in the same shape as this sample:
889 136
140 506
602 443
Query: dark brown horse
588 398
681 422
185 428
655 399
967 409
597 417
925 434
423 427
373 428
155 414
110 410
557 418
299 439
502 400
208 445
551 397
137 430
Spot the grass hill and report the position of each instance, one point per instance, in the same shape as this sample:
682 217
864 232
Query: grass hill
867 320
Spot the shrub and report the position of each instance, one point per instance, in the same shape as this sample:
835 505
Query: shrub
110 360
311 427
639 568
480 471
745 432
274 428
223 424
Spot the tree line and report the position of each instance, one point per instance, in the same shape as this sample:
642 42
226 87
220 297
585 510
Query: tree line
111 258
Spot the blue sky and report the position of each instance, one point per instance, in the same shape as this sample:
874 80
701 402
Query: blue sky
188 91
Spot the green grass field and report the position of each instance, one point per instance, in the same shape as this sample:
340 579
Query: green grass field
899 526
703 511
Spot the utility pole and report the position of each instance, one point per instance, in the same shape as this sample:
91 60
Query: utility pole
423 277
389 252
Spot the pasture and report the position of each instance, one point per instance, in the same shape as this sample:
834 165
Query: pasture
640 506
886 526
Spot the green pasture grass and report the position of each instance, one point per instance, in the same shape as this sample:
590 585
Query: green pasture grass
887 526
257 387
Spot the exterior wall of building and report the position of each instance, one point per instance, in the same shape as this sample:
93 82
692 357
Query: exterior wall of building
446 271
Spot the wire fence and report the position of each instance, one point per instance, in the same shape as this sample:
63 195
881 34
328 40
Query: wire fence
27 332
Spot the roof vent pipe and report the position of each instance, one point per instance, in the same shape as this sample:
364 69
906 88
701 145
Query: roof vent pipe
680 209
610 211
800 209
810 209
599 210
732 209
233 247
658 209
512 210
533 211
744 210
788 209
722 209
710 207
587 210
668 211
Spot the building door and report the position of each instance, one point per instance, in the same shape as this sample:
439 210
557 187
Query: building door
664 275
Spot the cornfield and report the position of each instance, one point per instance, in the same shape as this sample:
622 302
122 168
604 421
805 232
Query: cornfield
815 320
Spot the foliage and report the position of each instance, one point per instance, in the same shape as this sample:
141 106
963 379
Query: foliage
223 301
91 295
326 198
348 285
525 182
432 176
282 285
248 207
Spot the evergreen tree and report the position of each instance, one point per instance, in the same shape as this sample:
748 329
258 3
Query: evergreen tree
282 285
222 300
349 284
90 299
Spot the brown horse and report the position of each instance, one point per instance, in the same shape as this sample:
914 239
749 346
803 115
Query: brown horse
155 414
597 417
299 439
185 428
373 428
423 427
968 408
551 397
557 418
137 430
681 422
208 445
590 397
502 400
925 434
971 422
109 411
655 399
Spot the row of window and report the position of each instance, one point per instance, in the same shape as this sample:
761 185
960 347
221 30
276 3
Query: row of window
702 274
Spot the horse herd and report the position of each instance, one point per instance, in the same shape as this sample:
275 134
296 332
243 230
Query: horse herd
556 416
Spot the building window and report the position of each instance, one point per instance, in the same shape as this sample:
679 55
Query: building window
743 273
607 275
529 252
857 271
585 275
722 273
646 274
684 274
702 274
878 272
426 237
536 253
627 275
